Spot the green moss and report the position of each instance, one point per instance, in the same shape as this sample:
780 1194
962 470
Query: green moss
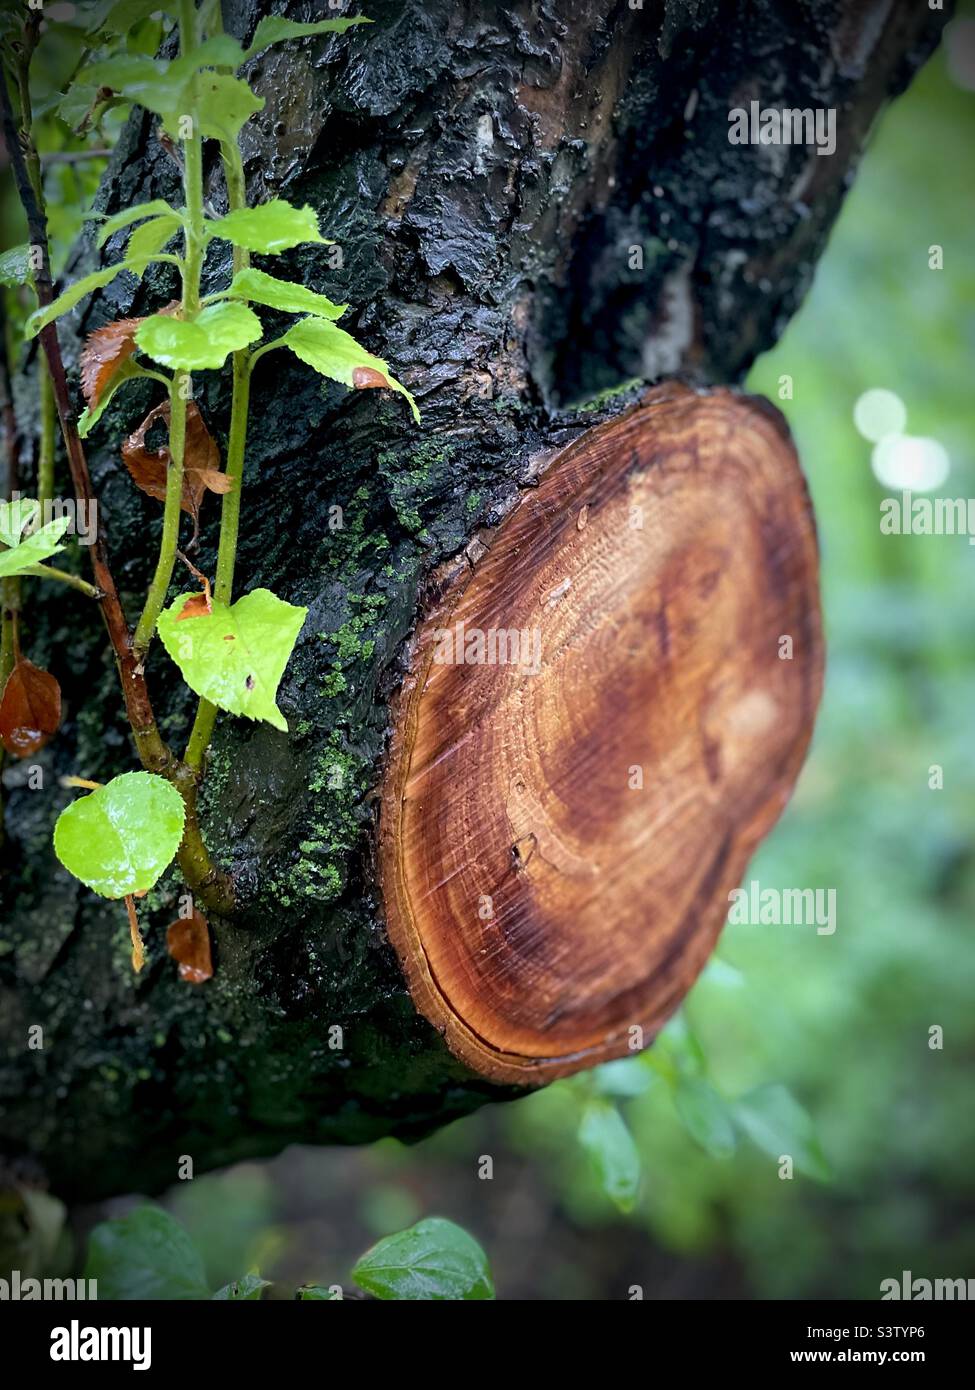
604 397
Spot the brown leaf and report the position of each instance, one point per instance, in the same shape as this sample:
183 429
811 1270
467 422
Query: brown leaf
201 461
197 606
30 709
106 351
365 377
188 942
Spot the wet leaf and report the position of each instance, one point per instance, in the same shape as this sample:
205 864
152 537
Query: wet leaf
270 228
15 266
432 1261
203 343
257 287
336 354
14 516
273 29
32 549
30 709
120 838
188 942
201 461
235 656
103 354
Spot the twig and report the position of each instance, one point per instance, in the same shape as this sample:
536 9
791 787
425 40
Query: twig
156 757
72 156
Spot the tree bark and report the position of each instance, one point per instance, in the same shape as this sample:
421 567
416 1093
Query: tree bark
487 171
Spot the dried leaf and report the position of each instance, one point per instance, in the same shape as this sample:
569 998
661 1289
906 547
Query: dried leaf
365 377
30 709
201 461
188 942
198 606
106 351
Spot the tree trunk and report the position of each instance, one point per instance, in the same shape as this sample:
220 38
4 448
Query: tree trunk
533 204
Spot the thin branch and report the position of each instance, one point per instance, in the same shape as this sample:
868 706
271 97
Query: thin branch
152 750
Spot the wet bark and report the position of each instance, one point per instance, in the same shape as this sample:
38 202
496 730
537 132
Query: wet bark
487 171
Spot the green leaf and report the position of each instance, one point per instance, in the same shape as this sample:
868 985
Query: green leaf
316 1293
158 207
778 1125
269 229
137 78
14 516
608 1142
223 104
336 354
706 1115
257 287
89 418
97 280
433 1260
123 16
249 1288
626 1077
15 266
205 342
235 655
119 839
145 1255
32 549
149 239
165 88
275 30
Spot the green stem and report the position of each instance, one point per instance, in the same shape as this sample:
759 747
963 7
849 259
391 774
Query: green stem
62 576
10 597
206 714
181 389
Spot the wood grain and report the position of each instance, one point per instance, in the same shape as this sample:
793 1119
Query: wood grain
564 814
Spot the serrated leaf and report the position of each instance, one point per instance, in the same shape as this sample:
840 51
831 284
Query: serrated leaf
257 287
269 229
97 280
15 266
123 16
105 352
90 416
149 239
141 212
613 1154
435 1260
32 549
30 709
249 1288
145 1255
235 655
336 354
14 516
706 1115
205 342
120 838
223 104
777 1124
165 88
273 29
